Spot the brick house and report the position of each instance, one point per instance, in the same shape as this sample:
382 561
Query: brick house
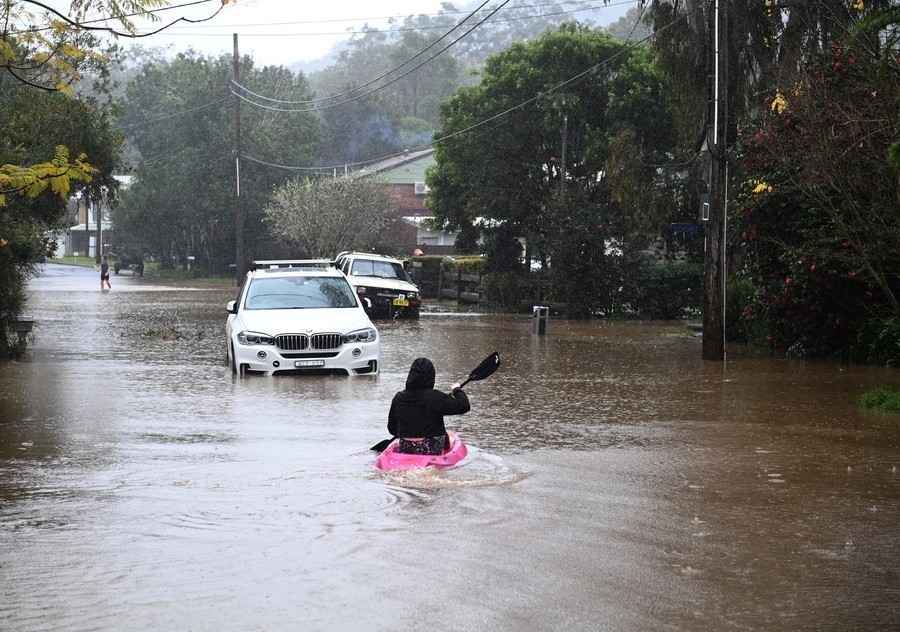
405 177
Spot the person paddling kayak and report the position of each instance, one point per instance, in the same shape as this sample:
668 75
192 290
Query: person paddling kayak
417 412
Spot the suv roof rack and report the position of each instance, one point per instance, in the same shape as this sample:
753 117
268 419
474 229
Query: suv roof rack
357 253
291 263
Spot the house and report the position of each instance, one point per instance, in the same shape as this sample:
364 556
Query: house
93 227
405 178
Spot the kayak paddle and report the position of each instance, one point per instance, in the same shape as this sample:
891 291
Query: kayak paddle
487 368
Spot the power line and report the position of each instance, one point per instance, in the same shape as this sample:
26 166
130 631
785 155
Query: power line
490 119
335 96
85 25
174 114
390 17
365 94
285 102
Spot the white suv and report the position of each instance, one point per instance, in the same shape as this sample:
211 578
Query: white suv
299 317
383 281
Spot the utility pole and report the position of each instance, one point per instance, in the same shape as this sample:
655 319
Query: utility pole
714 279
240 254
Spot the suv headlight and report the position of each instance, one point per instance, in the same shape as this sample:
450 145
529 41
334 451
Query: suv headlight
253 338
362 335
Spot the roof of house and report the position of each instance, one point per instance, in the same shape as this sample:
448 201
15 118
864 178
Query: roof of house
408 168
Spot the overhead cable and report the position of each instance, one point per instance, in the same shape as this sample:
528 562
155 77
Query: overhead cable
393 30
381 87
174 114
365 85
85 25
490 119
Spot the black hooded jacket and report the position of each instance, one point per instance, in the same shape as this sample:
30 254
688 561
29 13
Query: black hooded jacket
418 410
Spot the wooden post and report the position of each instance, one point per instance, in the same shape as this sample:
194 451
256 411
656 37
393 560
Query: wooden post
240 253
714 281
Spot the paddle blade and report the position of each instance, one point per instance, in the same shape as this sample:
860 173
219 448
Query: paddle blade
487 368
381 446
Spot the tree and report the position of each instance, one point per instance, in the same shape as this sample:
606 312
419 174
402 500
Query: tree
181 120
768 46
411 69
769 43
819 211
884 26
54 142
39 124
631 26
322 217
540 147
382 93
49 50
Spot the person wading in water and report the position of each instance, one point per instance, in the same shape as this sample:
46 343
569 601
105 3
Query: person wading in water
104 273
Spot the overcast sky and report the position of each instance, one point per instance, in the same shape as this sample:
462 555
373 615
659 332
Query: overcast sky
288 31
279 31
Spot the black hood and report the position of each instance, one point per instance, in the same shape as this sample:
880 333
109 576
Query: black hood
421 374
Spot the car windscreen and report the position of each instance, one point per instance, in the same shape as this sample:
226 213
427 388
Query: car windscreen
300 292
382 269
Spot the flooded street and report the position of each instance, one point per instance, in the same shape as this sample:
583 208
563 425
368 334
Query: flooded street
616 481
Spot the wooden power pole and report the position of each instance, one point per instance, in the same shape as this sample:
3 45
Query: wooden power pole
714 279
240 254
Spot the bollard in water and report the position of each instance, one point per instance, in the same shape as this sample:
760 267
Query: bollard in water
539 317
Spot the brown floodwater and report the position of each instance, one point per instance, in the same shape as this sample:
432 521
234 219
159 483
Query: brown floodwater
616 481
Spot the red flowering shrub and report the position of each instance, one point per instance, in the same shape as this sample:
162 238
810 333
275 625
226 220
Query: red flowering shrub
818 211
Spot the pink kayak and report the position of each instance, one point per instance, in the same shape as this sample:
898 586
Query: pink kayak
390 459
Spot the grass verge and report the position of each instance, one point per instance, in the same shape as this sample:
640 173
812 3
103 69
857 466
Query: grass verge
882 399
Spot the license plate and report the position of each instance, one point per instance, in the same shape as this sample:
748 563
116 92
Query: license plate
399 302
307 363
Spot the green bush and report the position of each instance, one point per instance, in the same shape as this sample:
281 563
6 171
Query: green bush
879 342
741 324
466 265
501 291
668 292
881 399
24 246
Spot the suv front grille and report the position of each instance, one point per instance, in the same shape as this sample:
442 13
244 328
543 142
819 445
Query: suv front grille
327 341
292 342
302 342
